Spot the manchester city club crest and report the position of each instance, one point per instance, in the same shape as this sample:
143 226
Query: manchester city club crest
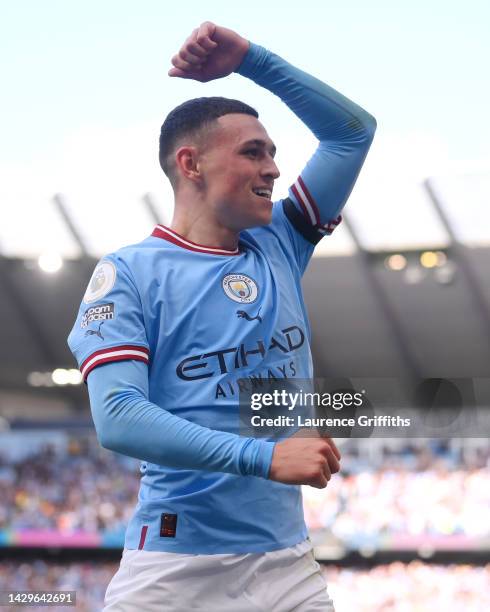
240 288
101 283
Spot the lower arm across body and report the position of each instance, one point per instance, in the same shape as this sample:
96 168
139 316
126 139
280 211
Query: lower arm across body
128 423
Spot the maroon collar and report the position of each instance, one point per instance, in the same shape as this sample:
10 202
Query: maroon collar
166 233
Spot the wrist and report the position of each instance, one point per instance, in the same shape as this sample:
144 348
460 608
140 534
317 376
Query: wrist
252 60
256 457
243 47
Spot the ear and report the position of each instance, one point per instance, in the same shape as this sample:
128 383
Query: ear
187 163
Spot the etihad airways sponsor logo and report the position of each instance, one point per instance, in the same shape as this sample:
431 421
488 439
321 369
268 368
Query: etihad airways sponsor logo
102 312
226 360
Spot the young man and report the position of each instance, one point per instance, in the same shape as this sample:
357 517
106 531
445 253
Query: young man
179 318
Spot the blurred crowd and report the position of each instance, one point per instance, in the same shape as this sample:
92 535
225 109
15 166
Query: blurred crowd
426 488
77 487
413 587
397 587
88 579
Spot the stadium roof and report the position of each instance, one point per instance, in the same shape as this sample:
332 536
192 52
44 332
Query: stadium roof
98 220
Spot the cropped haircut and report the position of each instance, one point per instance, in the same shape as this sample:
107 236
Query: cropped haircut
189 120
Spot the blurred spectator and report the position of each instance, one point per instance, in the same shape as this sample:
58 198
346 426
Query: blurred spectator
415 491
83 488
413 587
89 580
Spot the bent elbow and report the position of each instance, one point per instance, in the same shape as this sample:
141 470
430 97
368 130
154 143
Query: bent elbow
370 125
104 426
103 431
363 128
112 419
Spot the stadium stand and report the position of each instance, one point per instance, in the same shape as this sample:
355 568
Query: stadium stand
76 489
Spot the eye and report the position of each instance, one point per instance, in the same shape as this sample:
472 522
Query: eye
252 152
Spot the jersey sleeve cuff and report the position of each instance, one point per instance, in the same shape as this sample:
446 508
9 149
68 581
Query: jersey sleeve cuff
256 457
253 61
116 353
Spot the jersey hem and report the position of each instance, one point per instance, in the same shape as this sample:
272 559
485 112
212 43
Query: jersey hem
223 550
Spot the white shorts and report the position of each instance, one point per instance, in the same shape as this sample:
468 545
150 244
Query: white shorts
287 580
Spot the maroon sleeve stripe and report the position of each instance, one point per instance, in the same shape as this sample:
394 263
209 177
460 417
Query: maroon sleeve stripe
311 200
117 353
300 202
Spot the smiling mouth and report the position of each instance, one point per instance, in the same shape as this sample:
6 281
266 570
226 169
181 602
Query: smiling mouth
263 193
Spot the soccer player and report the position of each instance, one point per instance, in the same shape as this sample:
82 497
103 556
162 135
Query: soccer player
168 326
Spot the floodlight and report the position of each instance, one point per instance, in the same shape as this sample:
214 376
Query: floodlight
50 262
396 262
60 376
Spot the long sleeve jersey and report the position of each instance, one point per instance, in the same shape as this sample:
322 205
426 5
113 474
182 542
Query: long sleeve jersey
170 330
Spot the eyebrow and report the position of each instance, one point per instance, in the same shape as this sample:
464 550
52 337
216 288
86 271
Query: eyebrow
260 143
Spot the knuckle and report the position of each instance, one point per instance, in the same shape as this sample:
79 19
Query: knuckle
321 445
319 463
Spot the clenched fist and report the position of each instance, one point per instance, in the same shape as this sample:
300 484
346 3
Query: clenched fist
210 52
305 461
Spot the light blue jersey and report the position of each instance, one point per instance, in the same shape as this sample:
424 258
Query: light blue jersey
177 325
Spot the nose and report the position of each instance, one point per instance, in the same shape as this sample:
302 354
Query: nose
270 169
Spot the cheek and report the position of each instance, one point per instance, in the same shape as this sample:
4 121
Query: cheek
236 176
236 182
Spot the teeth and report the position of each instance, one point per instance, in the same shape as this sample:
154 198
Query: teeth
263 192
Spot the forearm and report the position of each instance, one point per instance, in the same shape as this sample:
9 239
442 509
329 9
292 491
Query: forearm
128 423
328 114
344 129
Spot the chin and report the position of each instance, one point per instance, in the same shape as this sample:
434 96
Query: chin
258 221
263 216
263 220
268 218
257 216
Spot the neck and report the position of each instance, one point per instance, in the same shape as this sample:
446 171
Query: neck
192 220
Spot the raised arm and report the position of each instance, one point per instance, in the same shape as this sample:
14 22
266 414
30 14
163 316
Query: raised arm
344 130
